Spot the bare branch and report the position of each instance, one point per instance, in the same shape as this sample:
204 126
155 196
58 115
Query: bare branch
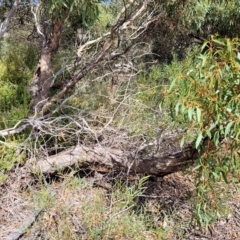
18 128
37 24
118 25
4 25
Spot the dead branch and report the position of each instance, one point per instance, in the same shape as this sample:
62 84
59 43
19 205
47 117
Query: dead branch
111 159
18 128
119 25
5 23
18 232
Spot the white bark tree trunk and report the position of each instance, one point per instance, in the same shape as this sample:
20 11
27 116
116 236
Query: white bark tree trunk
5 23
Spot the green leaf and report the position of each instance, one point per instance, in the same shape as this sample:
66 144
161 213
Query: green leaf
190 112
227 129
198 114
199 139
237 135
205 44
182 142
229 46
212 126
65 5
183 108
177 108
215 175
172 85
197 167
209 134
238 55
216 138
224 176
219 42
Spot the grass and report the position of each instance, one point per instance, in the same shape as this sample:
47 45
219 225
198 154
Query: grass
74 209
8 157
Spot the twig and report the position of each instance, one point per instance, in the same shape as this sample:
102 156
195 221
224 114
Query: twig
15 129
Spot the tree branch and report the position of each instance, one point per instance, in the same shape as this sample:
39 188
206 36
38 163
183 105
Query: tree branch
118 25
4 25
18 128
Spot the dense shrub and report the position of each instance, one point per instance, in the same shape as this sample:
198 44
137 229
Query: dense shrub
17 63
205 100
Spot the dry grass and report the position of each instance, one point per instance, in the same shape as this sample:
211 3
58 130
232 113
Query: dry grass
73 208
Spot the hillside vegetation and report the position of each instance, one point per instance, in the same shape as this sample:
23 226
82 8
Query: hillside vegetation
119 119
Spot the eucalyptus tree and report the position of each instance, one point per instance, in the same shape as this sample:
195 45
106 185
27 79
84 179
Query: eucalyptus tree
183 23
50 18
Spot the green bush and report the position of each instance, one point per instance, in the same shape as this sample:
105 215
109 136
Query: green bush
17 64
8 156
205 99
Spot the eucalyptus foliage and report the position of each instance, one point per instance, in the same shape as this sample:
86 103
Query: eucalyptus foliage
206 100
88 9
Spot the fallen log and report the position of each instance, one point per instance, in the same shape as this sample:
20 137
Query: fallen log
109 159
